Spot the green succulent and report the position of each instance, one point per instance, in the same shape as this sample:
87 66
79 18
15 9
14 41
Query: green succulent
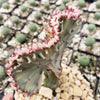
81 3
90 41
20 37
23 8
15 19
2 1
5 31
32 60
38 15
97 15
98 4
62 7
17 0
1 17
91 27
64 1
2 72
46 5
5 5
32 2
32 27
84 60
47 61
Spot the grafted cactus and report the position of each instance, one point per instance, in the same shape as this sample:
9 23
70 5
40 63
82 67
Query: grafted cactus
29 61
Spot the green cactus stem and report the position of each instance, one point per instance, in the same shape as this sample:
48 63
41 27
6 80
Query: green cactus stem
2 73
32 27
28 62
84 60
90 41
98 4
91 27
1 2
38 15
15 19
64 1
17 0
5 31
81 3
20 37
32 2
97 15
23 8
46 5
5 5
62 7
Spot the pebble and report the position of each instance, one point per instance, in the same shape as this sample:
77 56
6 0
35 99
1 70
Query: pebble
46 92
77 91
75 86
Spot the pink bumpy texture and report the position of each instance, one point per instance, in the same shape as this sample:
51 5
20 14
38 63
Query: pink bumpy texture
52 27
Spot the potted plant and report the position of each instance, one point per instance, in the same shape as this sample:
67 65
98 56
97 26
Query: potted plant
42 57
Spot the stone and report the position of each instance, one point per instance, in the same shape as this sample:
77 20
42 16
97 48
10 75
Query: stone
85 82
84 94
90 93
58 95
58 90
74 71
65 96
46 92
63 79
80 77
77 82
76 98
77 91
65 85
66 71
89 98
70 91
83 87
38 97
43 99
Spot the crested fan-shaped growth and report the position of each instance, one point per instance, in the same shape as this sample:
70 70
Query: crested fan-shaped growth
28 62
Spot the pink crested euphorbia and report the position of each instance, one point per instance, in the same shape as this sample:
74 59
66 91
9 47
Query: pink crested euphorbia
28 62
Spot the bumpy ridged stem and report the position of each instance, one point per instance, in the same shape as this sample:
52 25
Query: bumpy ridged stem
28 62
